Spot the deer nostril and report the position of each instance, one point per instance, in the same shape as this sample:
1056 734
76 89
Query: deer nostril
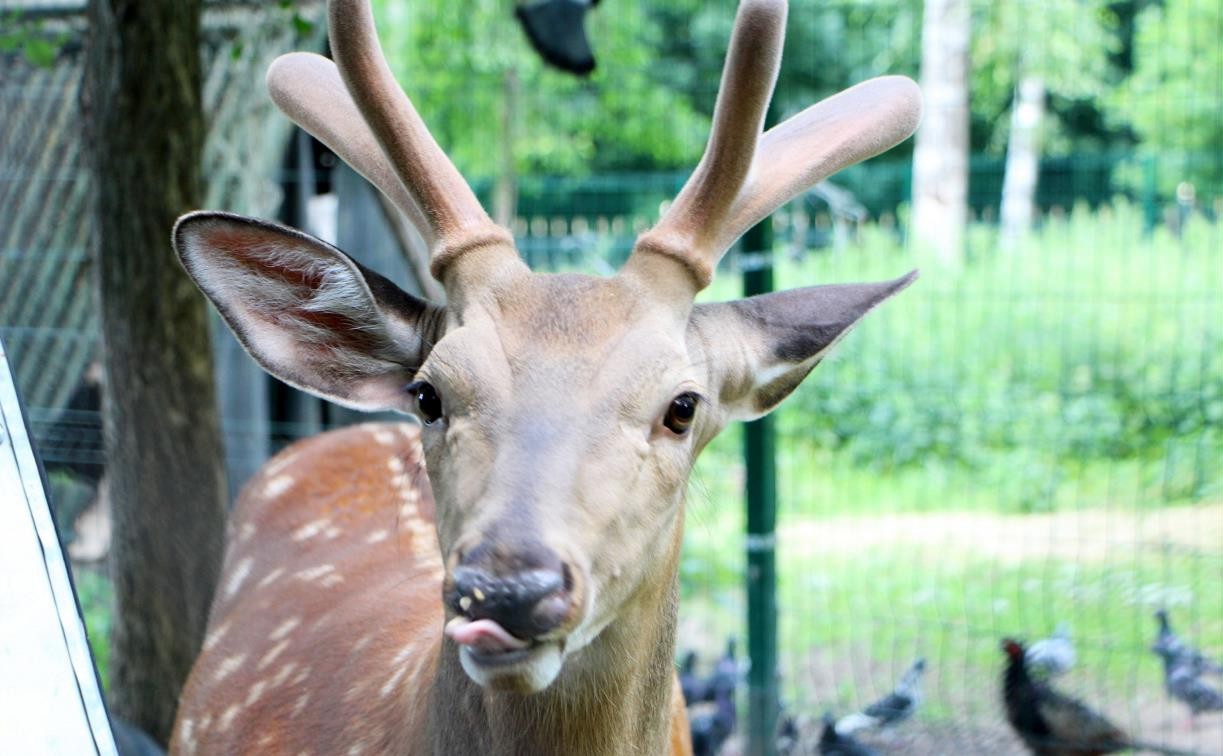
527 604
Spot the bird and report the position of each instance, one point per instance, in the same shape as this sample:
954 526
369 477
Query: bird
890 710
1054 655
1051 723
833 743
1170 645
557 31
1183 672
694 688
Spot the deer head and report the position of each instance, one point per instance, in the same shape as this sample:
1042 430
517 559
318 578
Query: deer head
561 413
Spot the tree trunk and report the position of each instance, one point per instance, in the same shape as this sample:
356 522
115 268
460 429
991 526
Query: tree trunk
145 131
1022 160
940 156
505 193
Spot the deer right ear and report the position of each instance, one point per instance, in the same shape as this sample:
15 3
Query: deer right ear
306 312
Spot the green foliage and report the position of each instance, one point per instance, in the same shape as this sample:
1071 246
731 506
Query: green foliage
19 34
1088 343
96 597
1174 100
453 59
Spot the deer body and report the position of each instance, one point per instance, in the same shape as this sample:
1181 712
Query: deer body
338 667
522 596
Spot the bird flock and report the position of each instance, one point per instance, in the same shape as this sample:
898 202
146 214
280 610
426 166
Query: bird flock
1049 722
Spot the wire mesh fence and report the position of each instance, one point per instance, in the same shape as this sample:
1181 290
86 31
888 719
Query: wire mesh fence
1025 439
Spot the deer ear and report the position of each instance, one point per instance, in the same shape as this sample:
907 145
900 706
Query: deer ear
309 314
762 347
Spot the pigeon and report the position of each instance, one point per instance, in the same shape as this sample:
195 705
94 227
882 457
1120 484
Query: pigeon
890 710
1170 645
1054 724
833 743
1054 655
1183 681
695 689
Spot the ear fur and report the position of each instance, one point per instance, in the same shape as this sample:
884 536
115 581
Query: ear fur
763 347
309 314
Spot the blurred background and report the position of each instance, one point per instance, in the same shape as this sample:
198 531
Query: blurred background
1032 435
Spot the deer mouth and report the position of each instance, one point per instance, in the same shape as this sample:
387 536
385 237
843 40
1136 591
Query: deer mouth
492 657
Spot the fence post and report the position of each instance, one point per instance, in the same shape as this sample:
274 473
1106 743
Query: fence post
761 490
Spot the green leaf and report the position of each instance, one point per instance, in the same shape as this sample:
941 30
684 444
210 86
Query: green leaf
302 25
40 52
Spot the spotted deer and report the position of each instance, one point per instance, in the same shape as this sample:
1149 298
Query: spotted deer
500 577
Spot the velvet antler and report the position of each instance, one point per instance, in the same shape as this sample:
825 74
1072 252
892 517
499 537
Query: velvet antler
744 175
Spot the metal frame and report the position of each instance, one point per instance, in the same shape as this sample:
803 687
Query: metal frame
50 700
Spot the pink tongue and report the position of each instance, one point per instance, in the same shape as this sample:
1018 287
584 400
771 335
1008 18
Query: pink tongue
484 635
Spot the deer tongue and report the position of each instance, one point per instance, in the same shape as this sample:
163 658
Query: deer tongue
483 635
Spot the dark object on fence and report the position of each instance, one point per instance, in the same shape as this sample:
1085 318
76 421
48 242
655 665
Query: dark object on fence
76 432
711 702
557 31
694 688
1053 724
1054 655
1170 645
893 708
833 743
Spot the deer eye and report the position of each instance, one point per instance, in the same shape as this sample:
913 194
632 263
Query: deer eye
428 403
681 413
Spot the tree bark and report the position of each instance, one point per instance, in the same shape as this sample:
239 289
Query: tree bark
145 132
1022 160
940 155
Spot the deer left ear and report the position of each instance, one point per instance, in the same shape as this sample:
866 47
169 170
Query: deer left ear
762 347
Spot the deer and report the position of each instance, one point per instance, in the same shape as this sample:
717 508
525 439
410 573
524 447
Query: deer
499 575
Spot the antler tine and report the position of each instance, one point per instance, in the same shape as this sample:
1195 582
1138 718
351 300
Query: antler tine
455 223
837 132
308 89
687 233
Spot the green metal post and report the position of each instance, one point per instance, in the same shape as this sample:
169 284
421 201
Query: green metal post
761 484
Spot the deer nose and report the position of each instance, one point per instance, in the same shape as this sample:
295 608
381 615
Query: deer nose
527 603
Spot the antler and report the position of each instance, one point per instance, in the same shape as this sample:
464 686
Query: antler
356 107
743 176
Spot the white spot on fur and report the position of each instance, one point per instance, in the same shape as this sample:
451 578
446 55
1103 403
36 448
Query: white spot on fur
284 628
256 691
283 674
227 719
382 435
228 666
241 572
332 533
378 536
271 655
395 465
311 574
216 635
186 736
246 533
356 750
331 581
390 684
298 707
301 676
270 578
275 466
278 485
311 529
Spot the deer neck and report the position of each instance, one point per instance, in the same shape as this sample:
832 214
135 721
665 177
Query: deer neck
612 698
